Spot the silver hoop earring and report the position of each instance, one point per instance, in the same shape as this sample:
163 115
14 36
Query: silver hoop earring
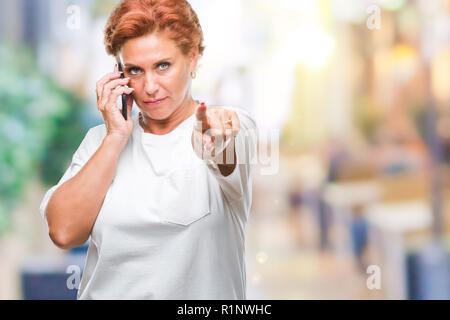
193 74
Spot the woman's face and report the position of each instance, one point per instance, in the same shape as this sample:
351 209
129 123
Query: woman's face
157 70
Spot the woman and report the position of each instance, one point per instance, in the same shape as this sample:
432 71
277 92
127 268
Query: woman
164 208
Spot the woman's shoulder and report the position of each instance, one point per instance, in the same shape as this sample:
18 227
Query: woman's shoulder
92 140
96 133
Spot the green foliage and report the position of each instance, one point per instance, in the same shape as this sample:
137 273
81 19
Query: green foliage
34 114
70 132
103 8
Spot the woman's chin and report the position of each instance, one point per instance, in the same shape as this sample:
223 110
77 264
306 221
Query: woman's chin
156 113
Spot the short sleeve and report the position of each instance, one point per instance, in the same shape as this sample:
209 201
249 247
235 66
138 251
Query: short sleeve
87 148
237 187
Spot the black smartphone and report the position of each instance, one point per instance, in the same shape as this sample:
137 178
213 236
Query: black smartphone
124 96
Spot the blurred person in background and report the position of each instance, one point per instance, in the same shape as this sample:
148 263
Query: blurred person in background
164 208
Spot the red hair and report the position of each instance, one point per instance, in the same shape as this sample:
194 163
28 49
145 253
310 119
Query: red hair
136 18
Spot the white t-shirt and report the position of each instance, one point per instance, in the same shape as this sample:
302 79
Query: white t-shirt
171 226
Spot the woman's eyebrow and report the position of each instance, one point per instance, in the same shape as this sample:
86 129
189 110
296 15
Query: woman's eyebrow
130 65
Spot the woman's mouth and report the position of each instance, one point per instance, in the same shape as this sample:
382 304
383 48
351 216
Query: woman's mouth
154 102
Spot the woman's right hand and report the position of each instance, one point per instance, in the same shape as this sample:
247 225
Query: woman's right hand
109 88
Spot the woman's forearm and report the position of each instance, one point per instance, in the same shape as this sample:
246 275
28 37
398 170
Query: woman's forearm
74 206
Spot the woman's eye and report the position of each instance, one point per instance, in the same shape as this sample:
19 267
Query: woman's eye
164 66
134 71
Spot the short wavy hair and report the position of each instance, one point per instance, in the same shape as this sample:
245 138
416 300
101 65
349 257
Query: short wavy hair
136 18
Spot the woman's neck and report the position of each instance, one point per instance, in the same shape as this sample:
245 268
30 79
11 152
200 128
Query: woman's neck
160 127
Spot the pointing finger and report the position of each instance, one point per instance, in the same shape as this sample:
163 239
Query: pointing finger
201 112
201 119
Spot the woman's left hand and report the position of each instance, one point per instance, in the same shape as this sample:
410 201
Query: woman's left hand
214 126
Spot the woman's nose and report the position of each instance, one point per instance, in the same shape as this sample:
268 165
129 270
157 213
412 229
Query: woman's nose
151 85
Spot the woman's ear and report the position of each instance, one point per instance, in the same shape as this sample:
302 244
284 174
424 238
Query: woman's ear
193 60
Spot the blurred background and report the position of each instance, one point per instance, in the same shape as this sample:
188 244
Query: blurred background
352 100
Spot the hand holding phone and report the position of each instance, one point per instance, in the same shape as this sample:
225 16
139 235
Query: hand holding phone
120 65
109 88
